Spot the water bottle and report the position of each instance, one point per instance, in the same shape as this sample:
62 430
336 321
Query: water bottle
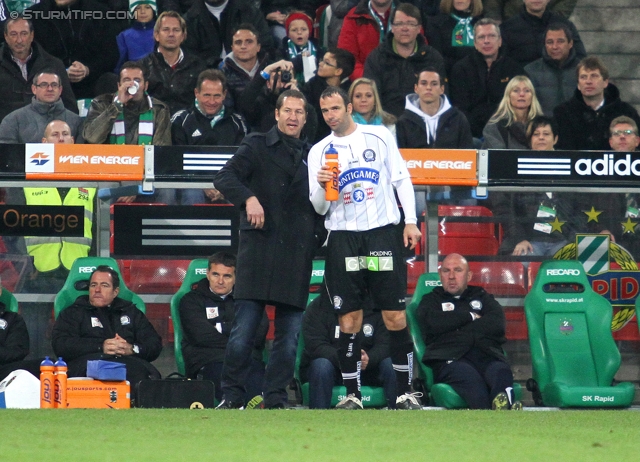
60 384
331 159
46 384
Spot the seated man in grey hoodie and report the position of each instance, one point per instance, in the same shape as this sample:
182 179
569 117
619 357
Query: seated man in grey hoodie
429 121
27 124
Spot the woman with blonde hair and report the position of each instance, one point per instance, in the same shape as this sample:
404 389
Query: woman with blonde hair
507 127
367 110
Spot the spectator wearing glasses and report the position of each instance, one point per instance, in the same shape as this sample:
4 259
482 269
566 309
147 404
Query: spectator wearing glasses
395 63
333 71
27 124
20 60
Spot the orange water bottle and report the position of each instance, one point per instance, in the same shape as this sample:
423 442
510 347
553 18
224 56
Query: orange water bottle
331 159
60 384
46 383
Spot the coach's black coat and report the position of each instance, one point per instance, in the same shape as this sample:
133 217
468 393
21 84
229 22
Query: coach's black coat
274 263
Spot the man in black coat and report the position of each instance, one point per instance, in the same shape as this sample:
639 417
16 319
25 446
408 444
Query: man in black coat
16 80
279 234
211 24
477 82
584 120
395 63
172 71
429 120
523 34
320 365
103 326
464 330
206 315
71 31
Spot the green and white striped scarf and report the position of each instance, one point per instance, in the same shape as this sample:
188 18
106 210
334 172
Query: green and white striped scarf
145 127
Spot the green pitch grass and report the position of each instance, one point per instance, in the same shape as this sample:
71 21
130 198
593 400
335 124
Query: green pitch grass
306 436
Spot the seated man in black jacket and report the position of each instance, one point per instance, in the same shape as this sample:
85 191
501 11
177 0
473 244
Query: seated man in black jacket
464 329
103 326
319 364
207 313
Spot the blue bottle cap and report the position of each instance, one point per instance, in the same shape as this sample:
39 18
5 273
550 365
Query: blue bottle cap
46 362
60 362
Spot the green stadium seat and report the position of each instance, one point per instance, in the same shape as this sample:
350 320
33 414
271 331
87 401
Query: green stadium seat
77 283
195 272
573 352
440 394
9 300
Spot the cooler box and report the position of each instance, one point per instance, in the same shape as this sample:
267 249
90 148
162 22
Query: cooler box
20 390
88 393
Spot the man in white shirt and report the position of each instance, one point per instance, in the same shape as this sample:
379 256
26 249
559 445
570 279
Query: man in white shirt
364 253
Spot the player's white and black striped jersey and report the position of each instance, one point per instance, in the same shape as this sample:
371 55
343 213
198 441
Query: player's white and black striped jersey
370 164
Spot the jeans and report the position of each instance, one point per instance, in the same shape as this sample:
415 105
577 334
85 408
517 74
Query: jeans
323 376
237 360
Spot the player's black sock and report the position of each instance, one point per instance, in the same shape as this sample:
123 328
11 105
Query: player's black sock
401 348
349 356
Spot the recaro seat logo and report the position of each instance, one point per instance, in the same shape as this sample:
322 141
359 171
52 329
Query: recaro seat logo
563 272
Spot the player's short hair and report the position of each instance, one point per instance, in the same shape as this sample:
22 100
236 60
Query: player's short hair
331 90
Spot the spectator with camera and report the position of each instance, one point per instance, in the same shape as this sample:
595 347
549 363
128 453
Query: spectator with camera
257 103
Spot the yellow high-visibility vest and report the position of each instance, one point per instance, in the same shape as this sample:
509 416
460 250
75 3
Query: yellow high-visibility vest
49 252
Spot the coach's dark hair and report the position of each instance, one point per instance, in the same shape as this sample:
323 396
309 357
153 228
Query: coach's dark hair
291 94
115 278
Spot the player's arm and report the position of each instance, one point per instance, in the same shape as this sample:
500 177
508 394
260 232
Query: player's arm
411 233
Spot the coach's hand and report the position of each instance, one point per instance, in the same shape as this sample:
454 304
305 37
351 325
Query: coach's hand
411 235
255 212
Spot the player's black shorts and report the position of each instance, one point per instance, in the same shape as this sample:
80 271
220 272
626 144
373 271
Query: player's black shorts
366 262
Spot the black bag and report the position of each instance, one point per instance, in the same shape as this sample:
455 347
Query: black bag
175 391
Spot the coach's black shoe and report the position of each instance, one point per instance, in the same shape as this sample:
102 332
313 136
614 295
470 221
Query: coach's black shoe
500 402
409 401
351 402
224 404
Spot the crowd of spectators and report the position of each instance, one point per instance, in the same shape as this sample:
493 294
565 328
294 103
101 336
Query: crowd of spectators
498 65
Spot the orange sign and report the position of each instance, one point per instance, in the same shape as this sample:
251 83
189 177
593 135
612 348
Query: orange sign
450 167
96 162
